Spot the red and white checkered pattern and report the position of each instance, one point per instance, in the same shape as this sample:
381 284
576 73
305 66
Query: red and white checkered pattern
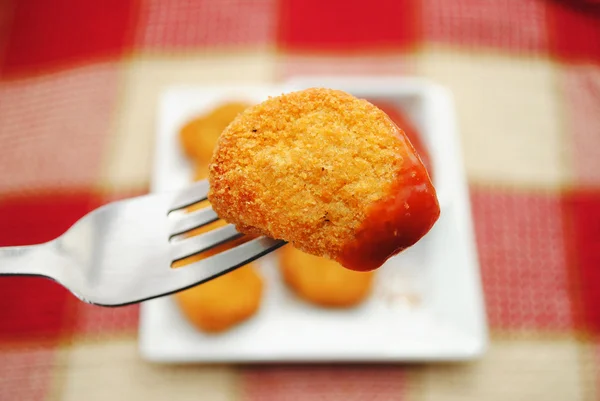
96 323
175 25
525 75
53 128
523 262
285 383
513 25
26 373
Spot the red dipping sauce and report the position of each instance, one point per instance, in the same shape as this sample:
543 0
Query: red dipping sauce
402 218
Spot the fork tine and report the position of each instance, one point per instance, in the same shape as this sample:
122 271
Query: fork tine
196 192
200 243
245 253
228 260
188 221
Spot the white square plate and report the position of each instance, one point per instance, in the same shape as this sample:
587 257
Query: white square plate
427 302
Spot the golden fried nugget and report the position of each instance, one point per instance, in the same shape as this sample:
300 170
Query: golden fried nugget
199 136
188 135
323 281
328 172
201 171
226 300
219 304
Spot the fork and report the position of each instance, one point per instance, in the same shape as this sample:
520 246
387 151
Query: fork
122 252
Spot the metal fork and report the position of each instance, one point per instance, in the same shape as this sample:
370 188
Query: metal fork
121 253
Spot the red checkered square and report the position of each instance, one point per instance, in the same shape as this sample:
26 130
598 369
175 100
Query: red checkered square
49 34
574 30
26 374
348 25
6 16
53 128
581 88
392 64
582 214
516 25
189 24
32 307
522 254
324 383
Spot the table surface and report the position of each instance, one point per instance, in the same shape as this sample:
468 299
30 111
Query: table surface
78 87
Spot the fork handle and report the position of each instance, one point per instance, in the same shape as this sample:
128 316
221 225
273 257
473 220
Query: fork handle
28 260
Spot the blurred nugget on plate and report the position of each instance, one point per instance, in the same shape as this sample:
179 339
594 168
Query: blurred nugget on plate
329 173
225 301
322 281
199 136
233 298
200 172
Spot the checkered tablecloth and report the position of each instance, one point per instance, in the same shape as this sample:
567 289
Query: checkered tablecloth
79 82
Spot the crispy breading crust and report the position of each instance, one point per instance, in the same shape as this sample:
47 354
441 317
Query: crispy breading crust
307 167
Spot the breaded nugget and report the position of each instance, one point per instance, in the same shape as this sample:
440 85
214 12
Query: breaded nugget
328 172
199 136
221 303
323 281
188 135
201 171
225 301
